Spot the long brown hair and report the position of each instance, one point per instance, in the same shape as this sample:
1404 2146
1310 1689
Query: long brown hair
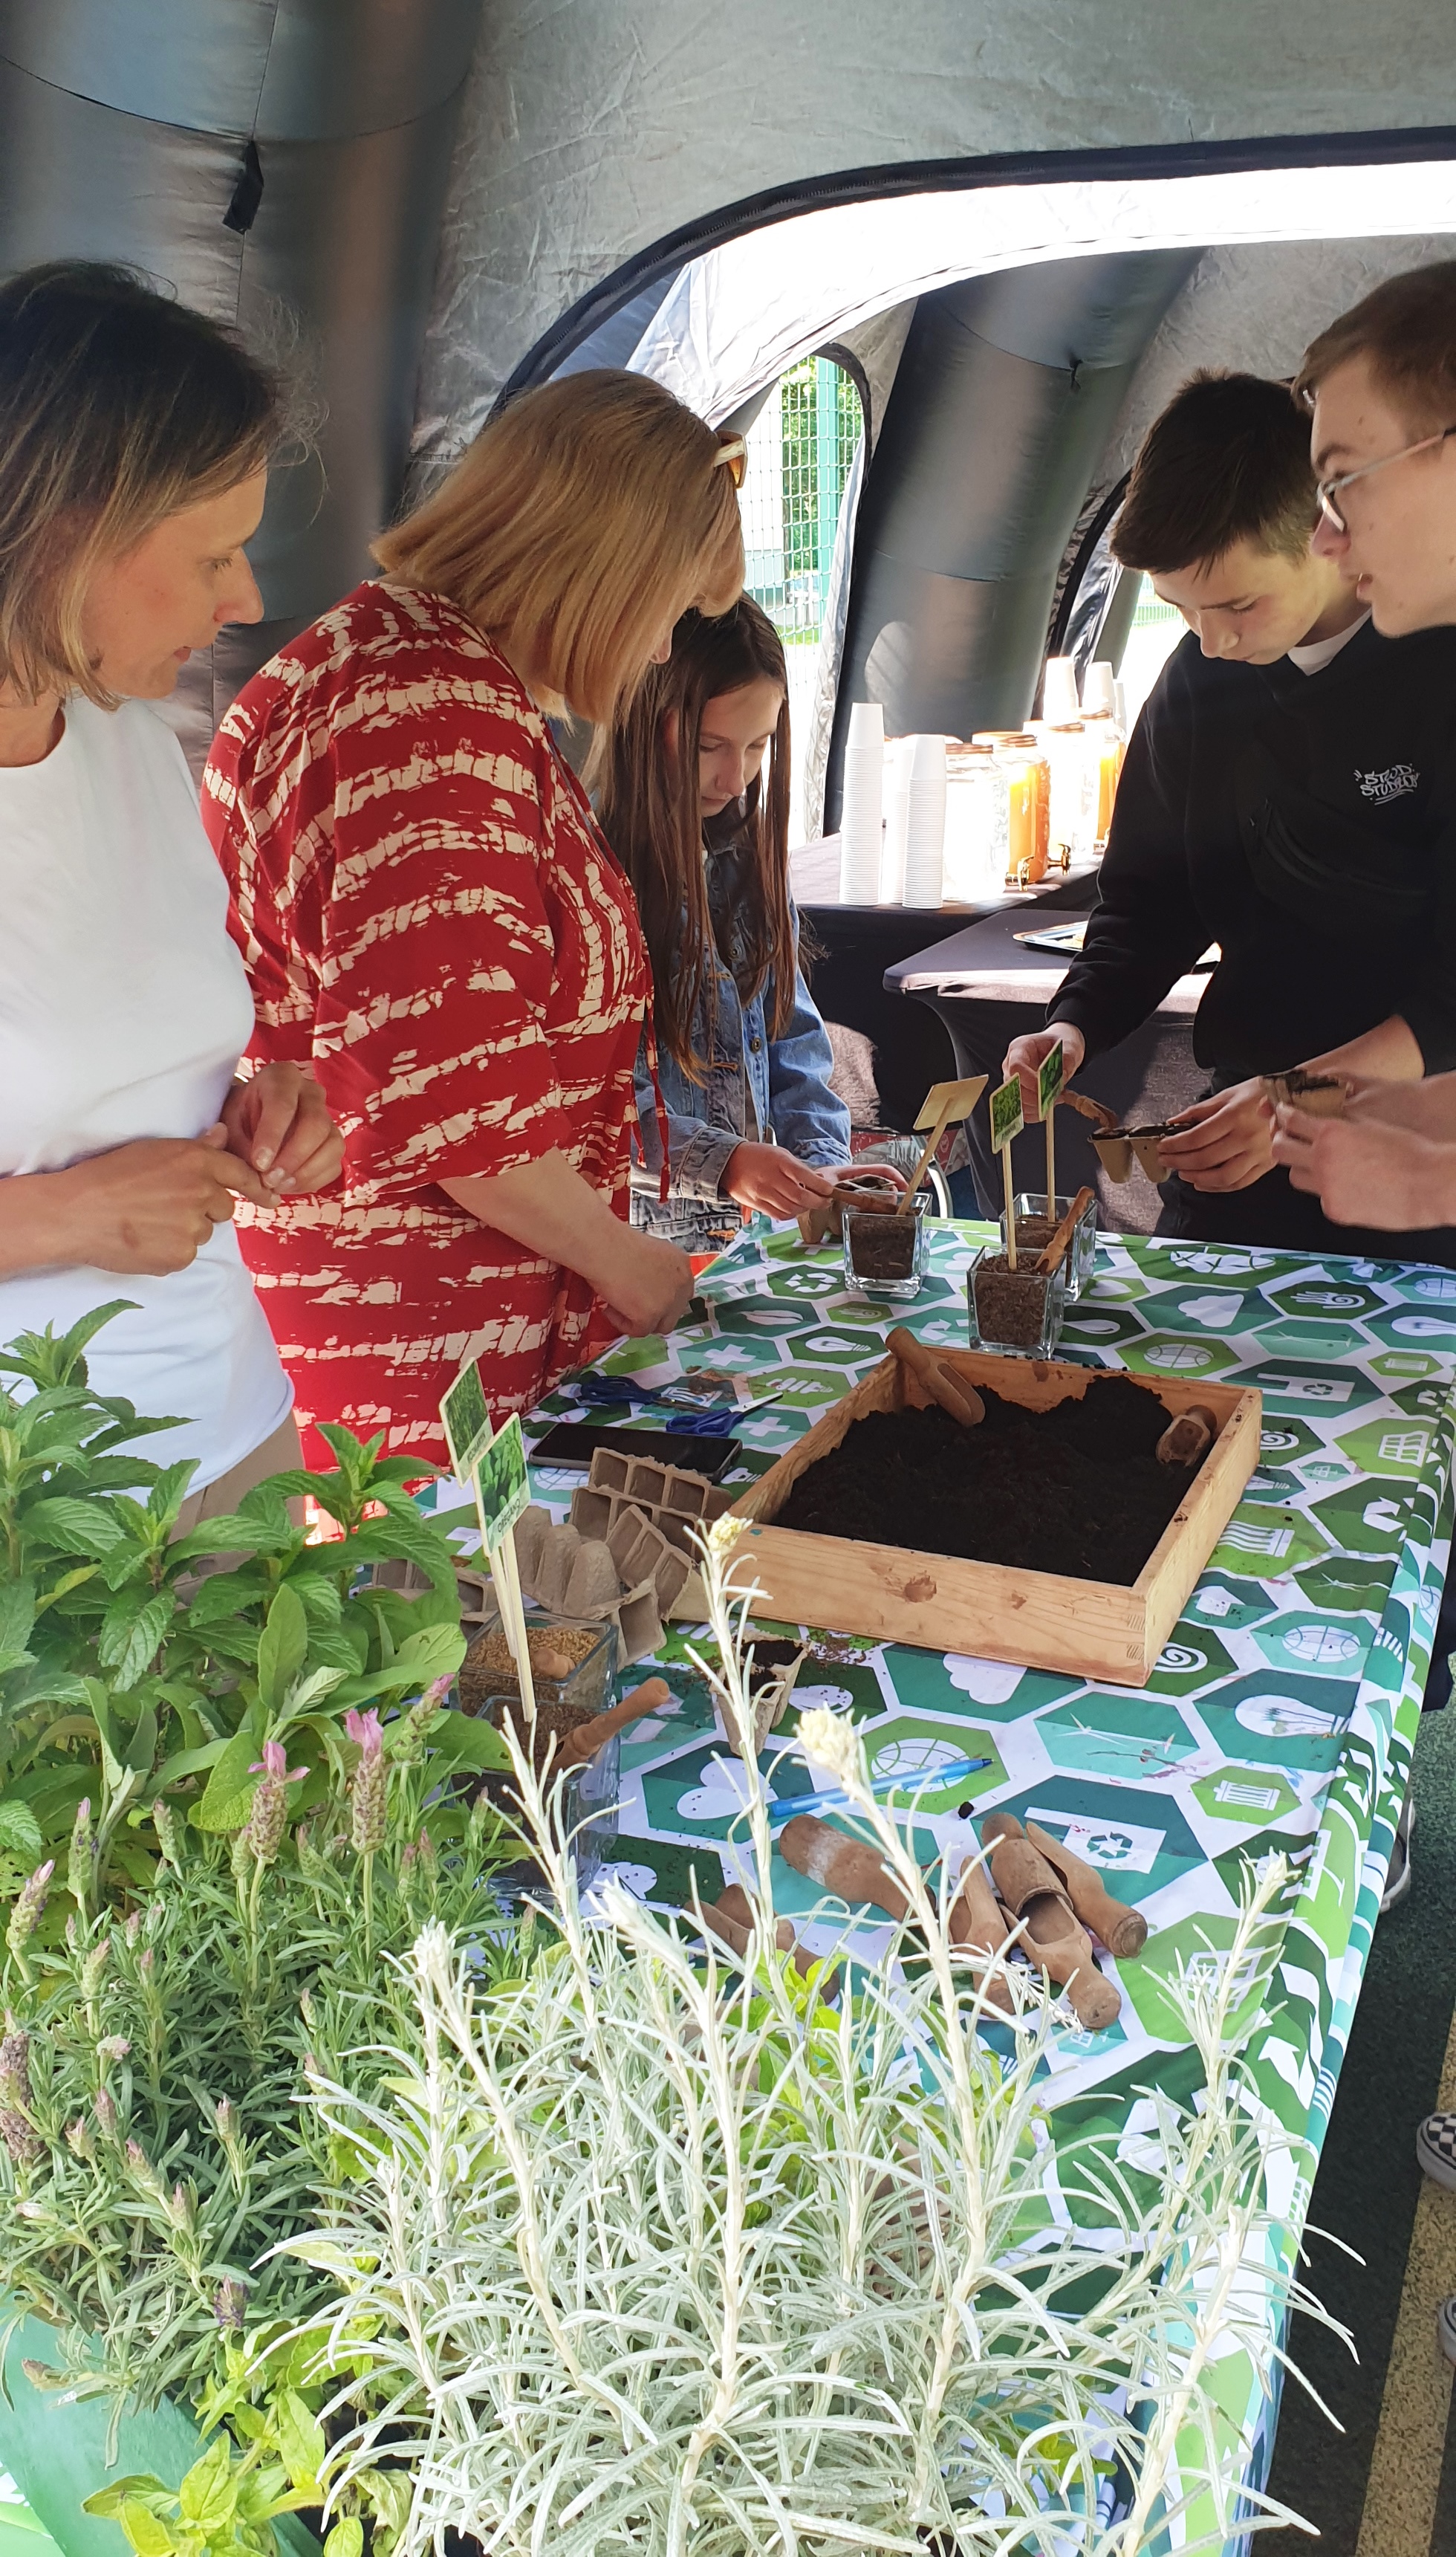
650 812
580 521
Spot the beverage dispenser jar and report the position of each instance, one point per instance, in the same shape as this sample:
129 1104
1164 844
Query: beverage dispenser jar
977 825
1024 776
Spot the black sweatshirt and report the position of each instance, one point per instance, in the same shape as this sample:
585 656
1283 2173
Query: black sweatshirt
1307 824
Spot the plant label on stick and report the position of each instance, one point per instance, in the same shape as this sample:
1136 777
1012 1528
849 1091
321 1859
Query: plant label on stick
466 1419
1006 1122
1051 1074
496 1469
943 1103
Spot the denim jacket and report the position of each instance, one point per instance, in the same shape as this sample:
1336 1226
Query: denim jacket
758 1089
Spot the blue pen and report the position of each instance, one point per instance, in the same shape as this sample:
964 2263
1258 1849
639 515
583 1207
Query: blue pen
832 1800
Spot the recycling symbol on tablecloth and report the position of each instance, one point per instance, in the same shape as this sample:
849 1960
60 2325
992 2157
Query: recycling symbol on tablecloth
1367 1518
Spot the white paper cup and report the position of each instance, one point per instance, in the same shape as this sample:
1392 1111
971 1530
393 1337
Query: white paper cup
925 831
1099 688
866 725
1059 691
897 755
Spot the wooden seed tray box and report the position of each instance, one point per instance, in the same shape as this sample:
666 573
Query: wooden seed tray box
1094 1628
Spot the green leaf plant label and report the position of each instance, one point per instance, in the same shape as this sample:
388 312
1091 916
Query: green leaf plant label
1051 1075
1006 1119
500 1474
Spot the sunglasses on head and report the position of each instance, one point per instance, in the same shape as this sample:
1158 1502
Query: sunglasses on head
732 453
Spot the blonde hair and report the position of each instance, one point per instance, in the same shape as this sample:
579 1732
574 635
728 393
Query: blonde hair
581 522
118 407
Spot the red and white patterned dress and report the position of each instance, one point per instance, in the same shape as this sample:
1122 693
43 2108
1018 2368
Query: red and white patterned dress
431 922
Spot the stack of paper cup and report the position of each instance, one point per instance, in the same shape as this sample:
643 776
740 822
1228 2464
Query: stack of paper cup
899 754
861 823
1059 691
1099 688
925 831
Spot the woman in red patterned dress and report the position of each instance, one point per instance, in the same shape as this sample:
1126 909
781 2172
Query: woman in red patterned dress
433 923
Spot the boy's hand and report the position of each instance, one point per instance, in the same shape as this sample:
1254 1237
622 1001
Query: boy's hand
1228 1139
1030 1051
1367 1171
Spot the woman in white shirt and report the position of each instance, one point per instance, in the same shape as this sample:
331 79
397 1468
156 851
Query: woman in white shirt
134 444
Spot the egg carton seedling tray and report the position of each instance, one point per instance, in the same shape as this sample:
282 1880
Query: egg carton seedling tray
938 1602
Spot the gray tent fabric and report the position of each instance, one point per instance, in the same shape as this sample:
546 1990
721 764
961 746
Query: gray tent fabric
590 134
125 128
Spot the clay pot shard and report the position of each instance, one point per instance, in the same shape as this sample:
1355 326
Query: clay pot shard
938 1377
1188 1437
1053 1936
1124 1930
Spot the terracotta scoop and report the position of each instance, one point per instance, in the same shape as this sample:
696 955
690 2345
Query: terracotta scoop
1188 1437
582 1744
979 1922
1053 1936
1124 1930
938 1377
1055 1252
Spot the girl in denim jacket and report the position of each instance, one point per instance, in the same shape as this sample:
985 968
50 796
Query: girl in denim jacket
699 820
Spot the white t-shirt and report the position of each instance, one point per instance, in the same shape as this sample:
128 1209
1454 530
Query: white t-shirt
1323 653
124 1008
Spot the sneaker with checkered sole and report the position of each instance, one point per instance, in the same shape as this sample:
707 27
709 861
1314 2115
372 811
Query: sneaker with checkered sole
1435 2148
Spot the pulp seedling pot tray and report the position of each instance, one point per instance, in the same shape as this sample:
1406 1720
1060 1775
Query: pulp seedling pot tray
1095 1629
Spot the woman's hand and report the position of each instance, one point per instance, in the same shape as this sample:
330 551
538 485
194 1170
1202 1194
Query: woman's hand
649 1290
143 1209
643 1283
1228 1141
1029 1052
771 1179
278 1122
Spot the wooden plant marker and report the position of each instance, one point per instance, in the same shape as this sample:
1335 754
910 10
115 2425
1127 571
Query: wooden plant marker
943 1103
1051 1075
495 1466
1006 1122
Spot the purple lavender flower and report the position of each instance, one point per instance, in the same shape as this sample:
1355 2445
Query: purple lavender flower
369 1784
268 1818
228 2301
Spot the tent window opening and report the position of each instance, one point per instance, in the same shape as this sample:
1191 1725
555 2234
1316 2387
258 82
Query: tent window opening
802 451
1153 632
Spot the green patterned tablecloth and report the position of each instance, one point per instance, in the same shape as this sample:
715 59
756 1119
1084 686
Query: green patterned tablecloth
1280 1716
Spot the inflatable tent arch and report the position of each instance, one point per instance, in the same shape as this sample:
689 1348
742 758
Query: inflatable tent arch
1009 214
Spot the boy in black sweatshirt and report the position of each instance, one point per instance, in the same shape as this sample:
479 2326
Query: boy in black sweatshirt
1290 792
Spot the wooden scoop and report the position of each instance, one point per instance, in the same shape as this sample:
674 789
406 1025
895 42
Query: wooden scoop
1053 1935
1098 1112
868 1190
582 1746
1054 1253
1124 1930
939 1378
1188 1437
842 1864
977 1922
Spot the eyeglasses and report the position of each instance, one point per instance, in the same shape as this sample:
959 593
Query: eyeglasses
732 453
1334 514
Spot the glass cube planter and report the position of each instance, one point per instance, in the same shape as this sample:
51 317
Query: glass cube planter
874 1246
583 1799
1081 1251
1017 1314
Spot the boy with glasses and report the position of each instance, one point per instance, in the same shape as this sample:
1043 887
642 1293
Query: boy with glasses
1287 794
1381 386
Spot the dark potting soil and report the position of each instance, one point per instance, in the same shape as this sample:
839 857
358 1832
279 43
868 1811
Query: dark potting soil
1010 1304
881 1246
1075 1490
